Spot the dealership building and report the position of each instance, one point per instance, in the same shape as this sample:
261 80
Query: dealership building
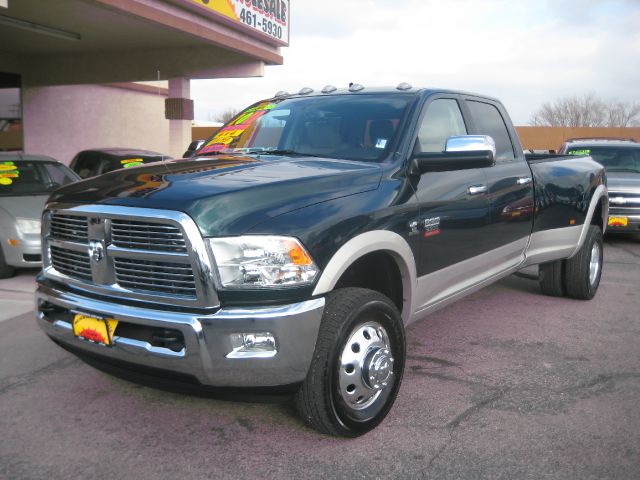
80 74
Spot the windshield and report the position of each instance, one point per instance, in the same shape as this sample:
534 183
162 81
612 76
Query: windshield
355 127
24 177
613 159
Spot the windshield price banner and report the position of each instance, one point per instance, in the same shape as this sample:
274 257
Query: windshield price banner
269 17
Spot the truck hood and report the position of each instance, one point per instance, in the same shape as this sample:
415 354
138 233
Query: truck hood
227 195
623 182
23 206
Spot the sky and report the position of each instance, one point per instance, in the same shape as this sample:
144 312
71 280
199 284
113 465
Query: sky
523 52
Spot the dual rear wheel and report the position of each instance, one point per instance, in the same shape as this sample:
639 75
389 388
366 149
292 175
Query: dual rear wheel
579 276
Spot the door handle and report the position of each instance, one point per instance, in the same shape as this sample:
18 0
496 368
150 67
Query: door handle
476 189
523 180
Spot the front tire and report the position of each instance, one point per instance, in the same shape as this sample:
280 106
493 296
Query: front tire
6 271
357 365
584 269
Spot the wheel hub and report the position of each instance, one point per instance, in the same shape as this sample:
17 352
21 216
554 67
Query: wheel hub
365 367
594 264
378 368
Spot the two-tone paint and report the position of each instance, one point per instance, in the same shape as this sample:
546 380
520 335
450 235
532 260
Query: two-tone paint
446 234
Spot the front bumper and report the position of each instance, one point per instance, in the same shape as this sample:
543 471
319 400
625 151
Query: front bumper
26 254
207 338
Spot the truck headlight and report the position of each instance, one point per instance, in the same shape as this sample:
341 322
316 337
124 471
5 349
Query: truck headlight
28 226
262 261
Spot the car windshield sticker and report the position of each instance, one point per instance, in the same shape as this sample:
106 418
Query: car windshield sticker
131 162
584 151
381 142
8 171
239 125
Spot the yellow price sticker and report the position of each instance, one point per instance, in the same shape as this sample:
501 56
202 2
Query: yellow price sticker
618 221
97 330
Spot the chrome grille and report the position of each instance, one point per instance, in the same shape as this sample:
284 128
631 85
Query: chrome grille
147 236
150 255
72 263
69 227
624 199
152 276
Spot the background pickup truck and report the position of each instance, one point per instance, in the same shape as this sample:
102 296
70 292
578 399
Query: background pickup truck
621 160
299 242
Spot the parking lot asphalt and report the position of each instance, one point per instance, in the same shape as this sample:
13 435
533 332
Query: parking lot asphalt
505 383
16 294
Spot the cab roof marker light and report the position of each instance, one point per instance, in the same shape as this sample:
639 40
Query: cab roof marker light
355 87
329 89
305 91
404 86
281 93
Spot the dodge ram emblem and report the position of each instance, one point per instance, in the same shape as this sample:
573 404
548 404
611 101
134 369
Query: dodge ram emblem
96 250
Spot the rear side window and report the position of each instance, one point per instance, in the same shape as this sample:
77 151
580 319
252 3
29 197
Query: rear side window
441 120
488 121
58 175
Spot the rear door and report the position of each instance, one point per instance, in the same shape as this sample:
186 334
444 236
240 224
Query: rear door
510 181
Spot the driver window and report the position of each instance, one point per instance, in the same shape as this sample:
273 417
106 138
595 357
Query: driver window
441 120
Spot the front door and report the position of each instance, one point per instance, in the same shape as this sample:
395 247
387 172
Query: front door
454 208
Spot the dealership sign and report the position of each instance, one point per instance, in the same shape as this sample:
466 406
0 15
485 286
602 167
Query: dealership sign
267 17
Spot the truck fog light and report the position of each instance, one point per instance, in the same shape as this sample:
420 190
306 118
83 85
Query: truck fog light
252 345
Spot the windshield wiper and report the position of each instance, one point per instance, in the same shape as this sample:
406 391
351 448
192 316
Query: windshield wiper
219 152
292 153
620 169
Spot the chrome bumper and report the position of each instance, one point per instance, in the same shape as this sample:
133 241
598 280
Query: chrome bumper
207 339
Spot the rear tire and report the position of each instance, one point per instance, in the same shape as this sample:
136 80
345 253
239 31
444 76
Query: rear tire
357 364
6 271
552 278
584 269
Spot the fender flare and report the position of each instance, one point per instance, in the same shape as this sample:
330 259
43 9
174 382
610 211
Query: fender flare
369 242
600 192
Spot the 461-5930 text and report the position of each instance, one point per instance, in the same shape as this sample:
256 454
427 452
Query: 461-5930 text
267 26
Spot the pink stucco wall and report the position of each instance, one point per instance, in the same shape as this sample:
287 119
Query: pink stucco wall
60 121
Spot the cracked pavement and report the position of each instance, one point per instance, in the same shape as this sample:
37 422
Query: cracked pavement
505 383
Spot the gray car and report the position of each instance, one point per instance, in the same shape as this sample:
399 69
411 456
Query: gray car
621 160
25 184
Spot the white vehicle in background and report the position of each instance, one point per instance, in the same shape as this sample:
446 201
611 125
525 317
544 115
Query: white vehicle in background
25 184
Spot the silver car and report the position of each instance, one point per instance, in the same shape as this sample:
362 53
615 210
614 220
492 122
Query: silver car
25 184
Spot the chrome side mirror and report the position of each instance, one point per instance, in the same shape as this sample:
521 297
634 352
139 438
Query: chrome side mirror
471 143
461 153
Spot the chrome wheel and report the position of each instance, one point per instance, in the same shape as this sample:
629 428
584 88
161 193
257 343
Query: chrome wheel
594 264
357 364
365 369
